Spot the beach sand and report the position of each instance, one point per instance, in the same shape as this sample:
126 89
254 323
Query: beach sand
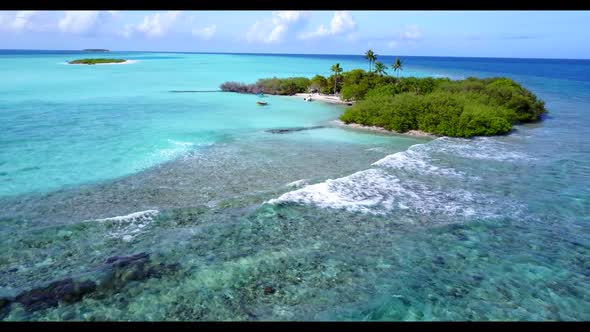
413 133
324 98
335 100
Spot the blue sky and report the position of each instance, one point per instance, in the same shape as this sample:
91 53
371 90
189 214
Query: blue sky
535 34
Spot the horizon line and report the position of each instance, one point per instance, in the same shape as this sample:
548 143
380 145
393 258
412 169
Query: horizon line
249 53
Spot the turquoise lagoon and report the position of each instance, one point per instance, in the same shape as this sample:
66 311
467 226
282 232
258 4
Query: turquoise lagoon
183 206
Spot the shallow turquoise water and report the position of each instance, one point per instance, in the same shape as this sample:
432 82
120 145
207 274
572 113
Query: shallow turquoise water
236 223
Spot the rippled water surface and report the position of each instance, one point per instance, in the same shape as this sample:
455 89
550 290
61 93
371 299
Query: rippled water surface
122 200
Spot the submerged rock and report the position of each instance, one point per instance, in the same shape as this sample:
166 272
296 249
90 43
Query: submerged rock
66 290
5 305
462 237
122 269
5 302
439 261
121 261
289 130
113 275
478 277
269 290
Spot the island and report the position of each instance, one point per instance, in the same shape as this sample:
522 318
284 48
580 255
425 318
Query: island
437 106
95 50
95 61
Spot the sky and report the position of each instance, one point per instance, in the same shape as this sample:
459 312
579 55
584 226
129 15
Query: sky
514 34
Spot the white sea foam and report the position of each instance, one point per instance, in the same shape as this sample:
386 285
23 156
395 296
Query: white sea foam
483 148
386 190
374 191
128 226
356 192
416 158
128 62
297 183
178 149
132 217
376 149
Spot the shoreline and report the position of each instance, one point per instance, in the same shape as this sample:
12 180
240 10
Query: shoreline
325 98
356 126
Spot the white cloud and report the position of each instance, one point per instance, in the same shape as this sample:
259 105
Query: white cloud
408 35
155 25
341 23
320 32
127 31
411 32
69 21
275 30
206 32
78 21
23 20
259 32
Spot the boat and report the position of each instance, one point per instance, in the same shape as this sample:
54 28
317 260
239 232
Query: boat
261 103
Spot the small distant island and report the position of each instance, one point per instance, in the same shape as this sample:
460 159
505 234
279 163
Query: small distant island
95 50
95 61
438 106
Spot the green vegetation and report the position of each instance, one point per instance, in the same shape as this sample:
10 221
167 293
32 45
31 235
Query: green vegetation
397 65
380 68
371 56
318 84
357 82
271 86
459 108
95 61
336 69
464 108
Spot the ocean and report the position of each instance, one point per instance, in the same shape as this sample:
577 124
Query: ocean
185 206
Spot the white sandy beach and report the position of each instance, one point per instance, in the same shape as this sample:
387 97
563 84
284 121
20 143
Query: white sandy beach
335 100
324 98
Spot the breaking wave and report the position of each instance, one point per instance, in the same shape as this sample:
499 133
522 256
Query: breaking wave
297 183
128 226
388 187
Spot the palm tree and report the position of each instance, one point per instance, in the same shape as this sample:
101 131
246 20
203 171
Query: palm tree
336 69
380 68
371 56
397 65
